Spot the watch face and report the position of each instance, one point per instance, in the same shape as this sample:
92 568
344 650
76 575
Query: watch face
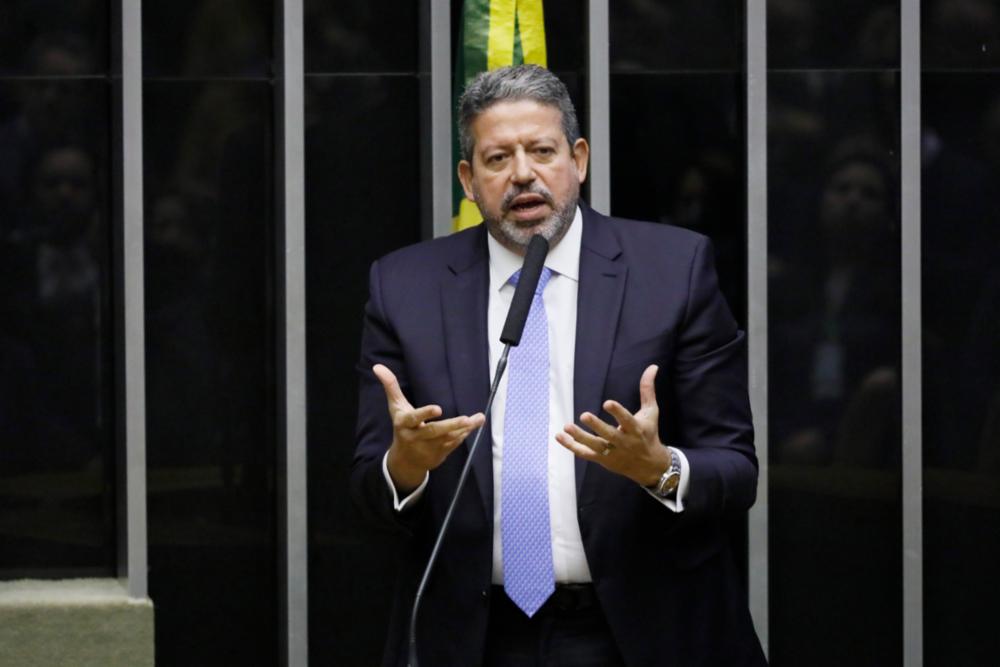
670 485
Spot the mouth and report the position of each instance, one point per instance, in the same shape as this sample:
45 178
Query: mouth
528 206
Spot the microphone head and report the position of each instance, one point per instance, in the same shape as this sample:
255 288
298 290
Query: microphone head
531 271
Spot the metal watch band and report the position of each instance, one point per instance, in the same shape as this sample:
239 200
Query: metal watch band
671 473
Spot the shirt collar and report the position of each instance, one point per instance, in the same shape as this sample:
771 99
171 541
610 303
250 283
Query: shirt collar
563 259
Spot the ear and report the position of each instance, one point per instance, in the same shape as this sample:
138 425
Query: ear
465 177
581 156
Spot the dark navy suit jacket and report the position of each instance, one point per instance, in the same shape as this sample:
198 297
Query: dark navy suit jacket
648 294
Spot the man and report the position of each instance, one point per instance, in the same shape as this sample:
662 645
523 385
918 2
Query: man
586 543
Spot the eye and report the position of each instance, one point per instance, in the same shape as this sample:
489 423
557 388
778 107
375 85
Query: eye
545 150
495 158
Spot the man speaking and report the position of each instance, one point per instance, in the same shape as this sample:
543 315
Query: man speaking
593 531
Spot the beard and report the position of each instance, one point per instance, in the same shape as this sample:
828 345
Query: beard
515 235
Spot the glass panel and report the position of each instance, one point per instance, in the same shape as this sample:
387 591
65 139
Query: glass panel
359 206
57 509
54 37
675 135
360 36
677 35
566 39
817 33
210 352
195 38
960 34
961 353
834 369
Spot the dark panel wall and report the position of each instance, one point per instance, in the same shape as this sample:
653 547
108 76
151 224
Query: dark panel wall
362 201
210 323
834 299
961 329
57 507
677 133
677 124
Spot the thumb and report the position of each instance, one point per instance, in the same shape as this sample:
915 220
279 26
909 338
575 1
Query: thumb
647 388
393 394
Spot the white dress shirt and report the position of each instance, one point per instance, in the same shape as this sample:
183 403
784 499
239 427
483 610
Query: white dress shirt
560 297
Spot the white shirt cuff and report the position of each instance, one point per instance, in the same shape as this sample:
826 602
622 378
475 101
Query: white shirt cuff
676 504
400 505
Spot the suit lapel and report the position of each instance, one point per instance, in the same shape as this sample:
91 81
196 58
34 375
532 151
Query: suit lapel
602 285
463 304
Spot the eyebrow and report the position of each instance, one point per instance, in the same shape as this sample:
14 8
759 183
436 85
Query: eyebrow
485 148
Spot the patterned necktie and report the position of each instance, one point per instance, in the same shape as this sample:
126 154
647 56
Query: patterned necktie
524 512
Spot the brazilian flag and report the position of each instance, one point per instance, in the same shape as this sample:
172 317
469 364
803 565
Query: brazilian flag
493 33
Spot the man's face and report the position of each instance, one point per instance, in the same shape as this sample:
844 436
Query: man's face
524 175
855 201
65 193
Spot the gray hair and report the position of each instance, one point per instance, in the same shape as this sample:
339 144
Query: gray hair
511 84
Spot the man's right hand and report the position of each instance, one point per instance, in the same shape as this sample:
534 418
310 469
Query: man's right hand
418 444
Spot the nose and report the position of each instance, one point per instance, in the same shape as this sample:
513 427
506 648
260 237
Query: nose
523 170
855 198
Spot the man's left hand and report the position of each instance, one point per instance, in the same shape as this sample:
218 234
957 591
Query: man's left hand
632 448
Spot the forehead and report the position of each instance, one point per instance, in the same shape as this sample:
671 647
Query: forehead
519 120
854 172
65 159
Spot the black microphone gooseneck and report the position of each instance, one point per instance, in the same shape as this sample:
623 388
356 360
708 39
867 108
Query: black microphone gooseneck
524 293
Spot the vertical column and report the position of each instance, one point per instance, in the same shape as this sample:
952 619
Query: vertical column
756 35
290 199
130 306
436 104
598 99
912 340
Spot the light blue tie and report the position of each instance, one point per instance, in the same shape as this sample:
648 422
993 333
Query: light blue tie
524 512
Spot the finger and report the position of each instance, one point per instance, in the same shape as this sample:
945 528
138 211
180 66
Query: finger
578 449
445 428
394 395
599 426
595 443
448 445
647 387
437 450
454 442
413 418
450 441
626 420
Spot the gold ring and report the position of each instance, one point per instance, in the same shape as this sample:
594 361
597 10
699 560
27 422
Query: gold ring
607 449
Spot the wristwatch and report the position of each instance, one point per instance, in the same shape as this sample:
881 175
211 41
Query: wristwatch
667 486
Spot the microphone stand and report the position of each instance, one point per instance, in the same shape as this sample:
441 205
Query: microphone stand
501 367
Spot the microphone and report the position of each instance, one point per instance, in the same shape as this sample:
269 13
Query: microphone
531 271
524 293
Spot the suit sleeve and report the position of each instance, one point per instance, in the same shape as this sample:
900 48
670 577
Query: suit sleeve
379 345
714 423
